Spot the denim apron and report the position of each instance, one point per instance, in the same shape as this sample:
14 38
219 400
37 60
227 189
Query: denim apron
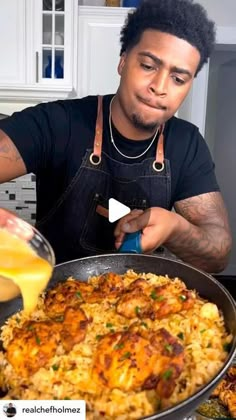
78 224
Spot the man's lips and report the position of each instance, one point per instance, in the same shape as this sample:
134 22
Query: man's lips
153 105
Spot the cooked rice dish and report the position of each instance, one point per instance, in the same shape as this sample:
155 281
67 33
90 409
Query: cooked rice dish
130 345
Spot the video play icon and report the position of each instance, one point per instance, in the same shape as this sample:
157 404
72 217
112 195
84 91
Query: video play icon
116 210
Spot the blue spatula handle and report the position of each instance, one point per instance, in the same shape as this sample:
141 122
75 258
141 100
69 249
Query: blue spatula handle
132 243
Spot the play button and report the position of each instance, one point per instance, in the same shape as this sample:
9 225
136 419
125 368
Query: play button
116 210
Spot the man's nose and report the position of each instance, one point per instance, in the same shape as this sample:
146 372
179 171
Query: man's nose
159 83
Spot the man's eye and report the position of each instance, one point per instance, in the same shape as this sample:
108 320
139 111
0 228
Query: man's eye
146 66
178 81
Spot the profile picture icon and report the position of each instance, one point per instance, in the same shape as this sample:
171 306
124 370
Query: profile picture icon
9 410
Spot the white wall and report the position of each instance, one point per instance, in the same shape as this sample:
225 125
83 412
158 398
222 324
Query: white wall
223 12
224 150
219 60
9 107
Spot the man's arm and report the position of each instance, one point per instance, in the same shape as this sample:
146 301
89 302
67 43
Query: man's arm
203 237
11 162
198 232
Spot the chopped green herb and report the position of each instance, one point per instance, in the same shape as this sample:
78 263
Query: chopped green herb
153 295
180 335
160 298
125 356
98 337
109 325
137 310
144 324
119 346
182 297
202 331
169 348
167 374
60 318
55 367
30 327
37 339
67 398
78 294
125 327
112 330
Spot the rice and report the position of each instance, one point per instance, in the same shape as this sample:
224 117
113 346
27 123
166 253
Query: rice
200 329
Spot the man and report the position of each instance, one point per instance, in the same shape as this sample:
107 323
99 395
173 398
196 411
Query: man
128 146
11 410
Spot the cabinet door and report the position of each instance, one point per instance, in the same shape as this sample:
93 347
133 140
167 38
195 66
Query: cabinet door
12 42
99 49
53 42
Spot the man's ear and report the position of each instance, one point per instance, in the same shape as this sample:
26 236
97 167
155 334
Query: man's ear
121 63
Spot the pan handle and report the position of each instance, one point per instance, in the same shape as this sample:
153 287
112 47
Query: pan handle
132 243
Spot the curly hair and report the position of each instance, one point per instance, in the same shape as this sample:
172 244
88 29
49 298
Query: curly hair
182 18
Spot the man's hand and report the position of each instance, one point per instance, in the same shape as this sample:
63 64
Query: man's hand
198 233
157 226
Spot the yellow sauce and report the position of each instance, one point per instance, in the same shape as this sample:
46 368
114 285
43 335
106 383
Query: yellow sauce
21 270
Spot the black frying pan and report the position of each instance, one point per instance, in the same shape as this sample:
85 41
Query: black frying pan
204 283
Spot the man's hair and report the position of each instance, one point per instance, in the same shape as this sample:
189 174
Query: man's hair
182 18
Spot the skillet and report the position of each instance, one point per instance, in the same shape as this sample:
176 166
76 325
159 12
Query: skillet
207 286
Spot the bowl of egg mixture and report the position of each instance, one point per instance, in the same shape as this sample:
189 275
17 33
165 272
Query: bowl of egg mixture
26 260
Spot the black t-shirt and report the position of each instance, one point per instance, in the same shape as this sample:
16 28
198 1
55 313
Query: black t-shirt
11 411
52 139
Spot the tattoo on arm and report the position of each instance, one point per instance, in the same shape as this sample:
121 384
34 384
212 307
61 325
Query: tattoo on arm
206 240
8 150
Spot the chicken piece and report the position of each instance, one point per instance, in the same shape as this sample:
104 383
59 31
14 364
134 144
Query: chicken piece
130 361
70 293
32 346
231 373
170 300
228 398
73 328
220 387
134 304
138 285
108 286
110 283
154 302
36 343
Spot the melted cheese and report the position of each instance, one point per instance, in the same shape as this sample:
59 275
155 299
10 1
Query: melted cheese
21 270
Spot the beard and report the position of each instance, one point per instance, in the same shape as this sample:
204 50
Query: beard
140 124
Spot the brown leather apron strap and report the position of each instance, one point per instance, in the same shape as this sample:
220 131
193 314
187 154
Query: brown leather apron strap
95 157
158 164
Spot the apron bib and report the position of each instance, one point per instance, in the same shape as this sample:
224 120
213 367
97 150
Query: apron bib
78 224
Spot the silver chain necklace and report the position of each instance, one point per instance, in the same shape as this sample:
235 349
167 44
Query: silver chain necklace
115 146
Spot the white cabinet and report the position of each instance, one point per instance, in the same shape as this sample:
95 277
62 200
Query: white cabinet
99 49
53 42
38 46
53 49
12 42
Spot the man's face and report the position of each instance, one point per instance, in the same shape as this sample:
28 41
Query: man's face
156 76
